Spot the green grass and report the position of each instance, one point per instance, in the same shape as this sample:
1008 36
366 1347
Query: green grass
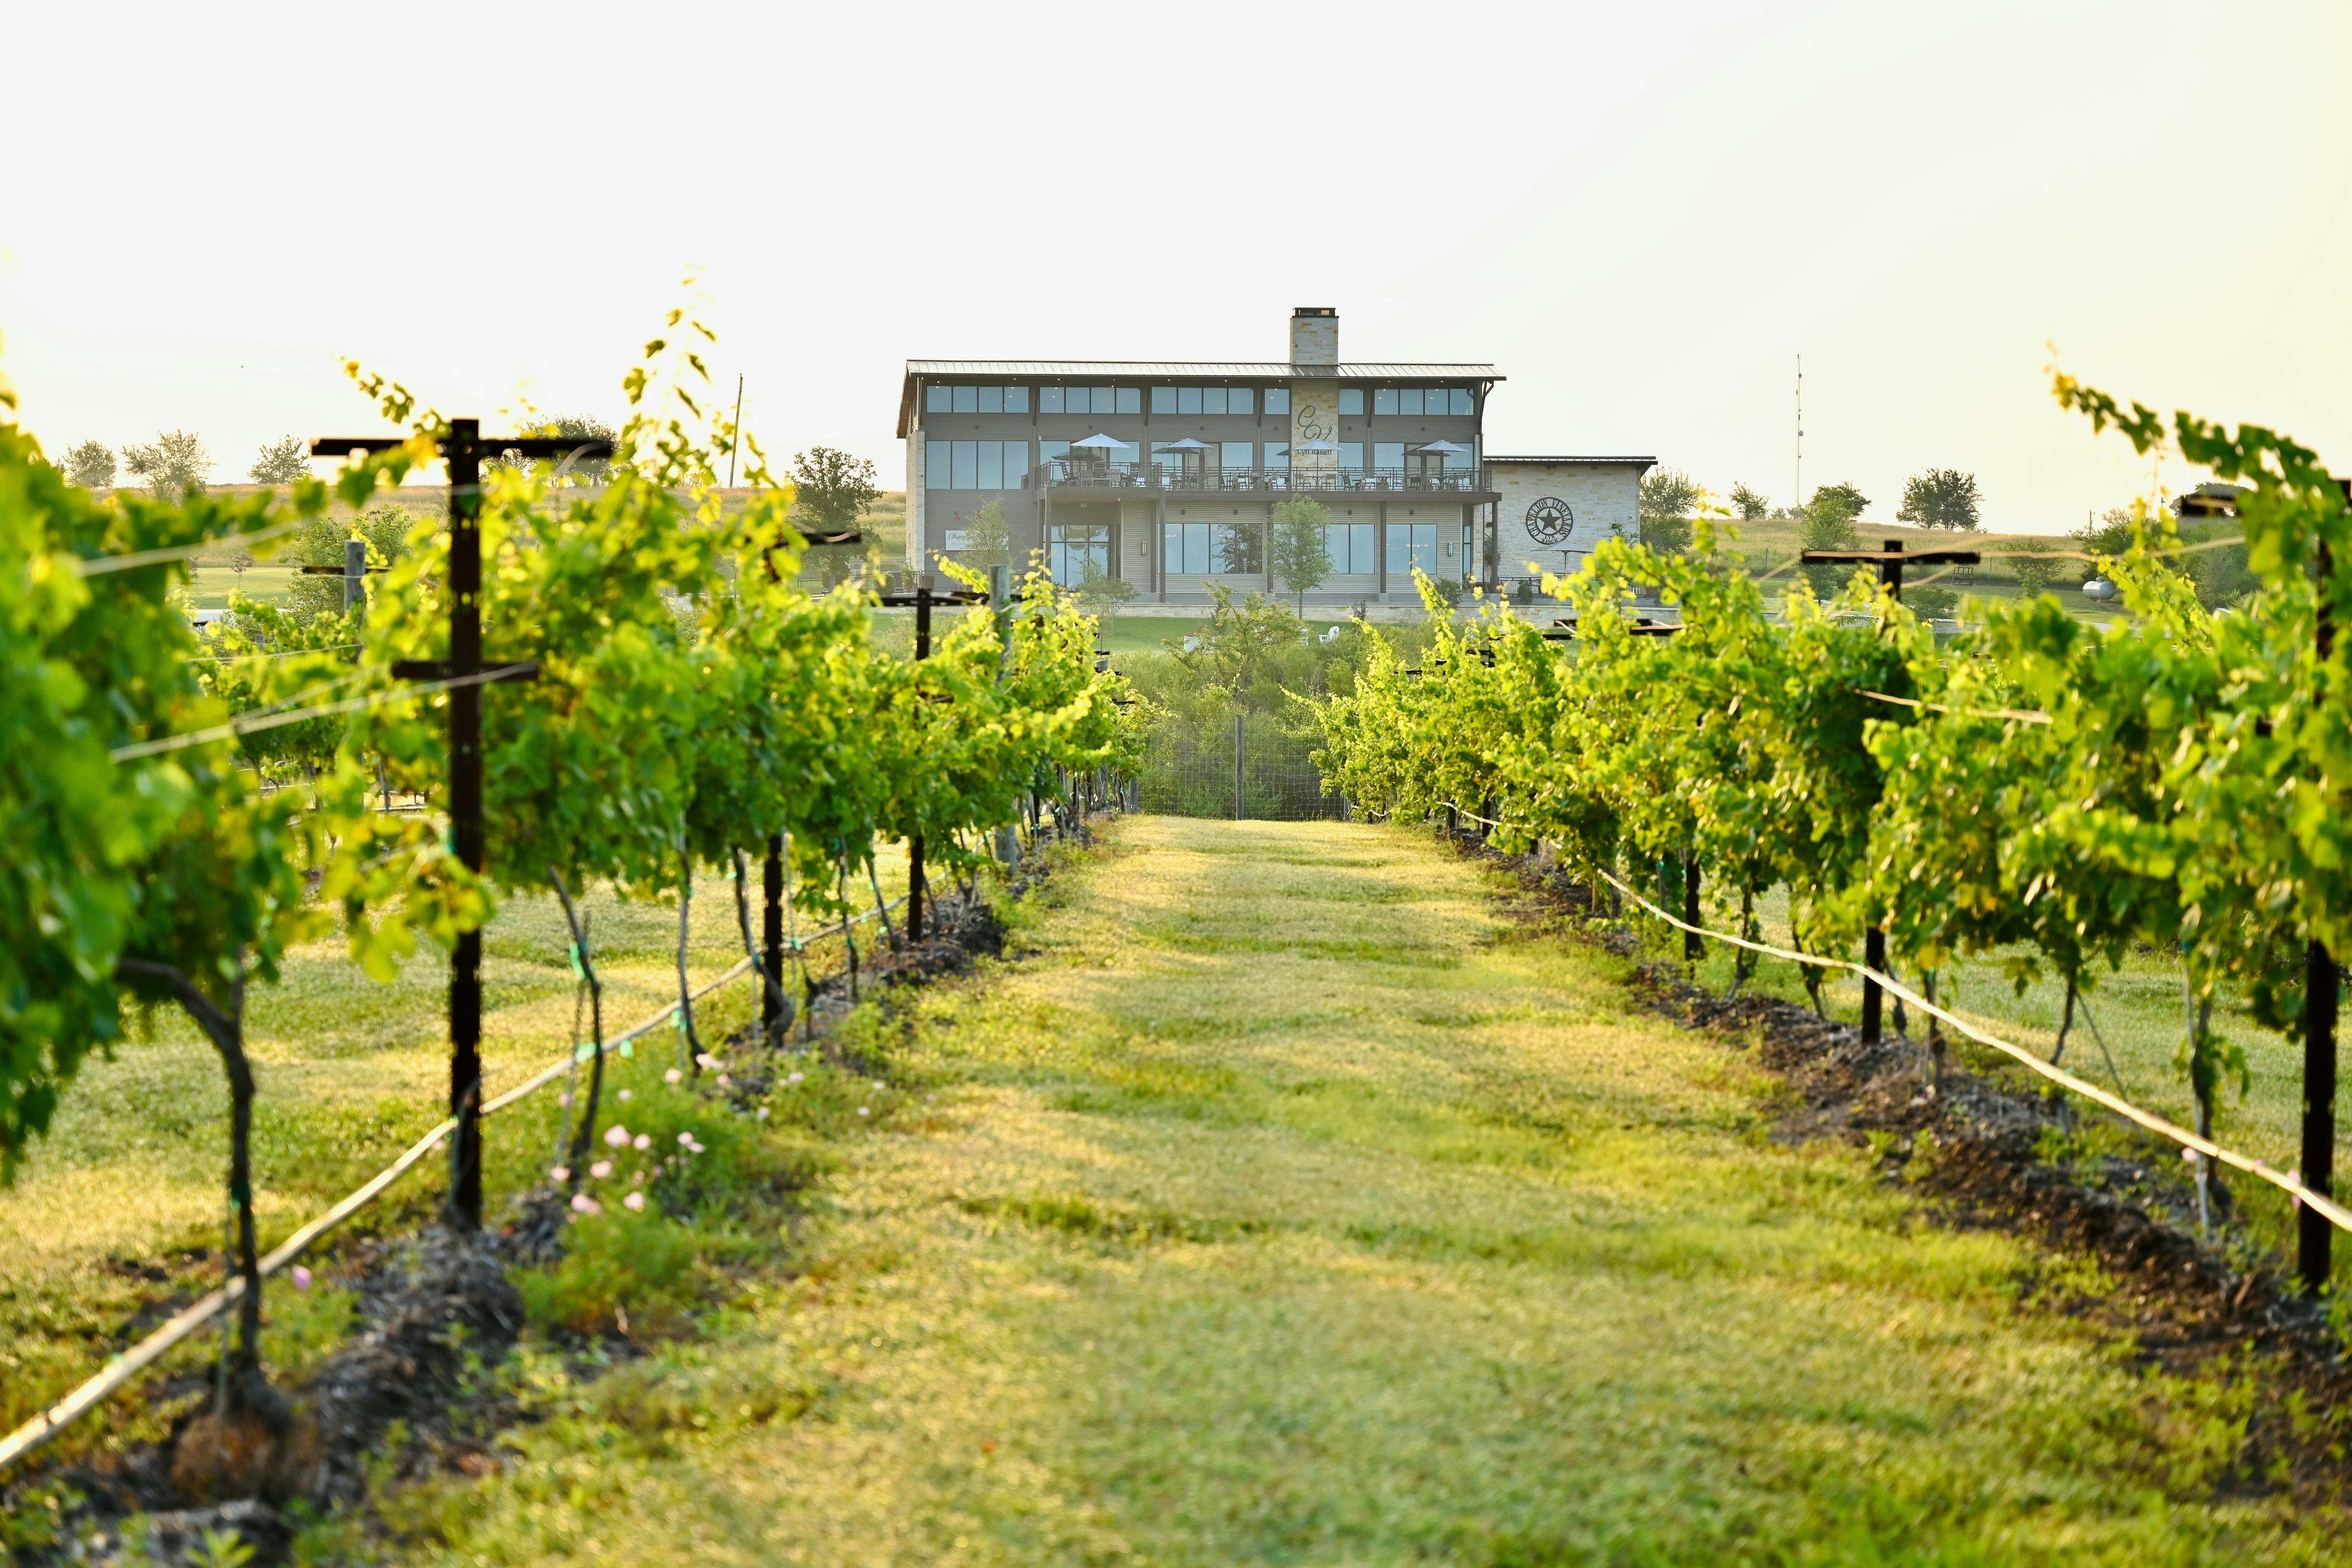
2139 1012
121 1205
1287 1204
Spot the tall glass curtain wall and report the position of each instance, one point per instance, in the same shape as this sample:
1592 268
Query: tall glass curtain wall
1349 546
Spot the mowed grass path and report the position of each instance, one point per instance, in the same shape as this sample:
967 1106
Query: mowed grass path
1290 1203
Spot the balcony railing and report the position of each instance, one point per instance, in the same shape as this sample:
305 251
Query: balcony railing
1061 473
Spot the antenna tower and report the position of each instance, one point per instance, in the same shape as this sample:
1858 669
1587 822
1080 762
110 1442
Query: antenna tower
1797 500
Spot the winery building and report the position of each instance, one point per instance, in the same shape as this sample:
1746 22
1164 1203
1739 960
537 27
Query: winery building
1167 474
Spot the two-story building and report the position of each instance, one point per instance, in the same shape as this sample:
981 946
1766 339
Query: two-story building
1168 474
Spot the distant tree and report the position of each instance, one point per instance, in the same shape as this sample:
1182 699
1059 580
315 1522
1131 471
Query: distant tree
1930 603
1102 593
384 530
1668 498
1942 497
833 490
2111 535
1302 555
283 462
175 465
90 465
988 543
1829 525
572 427
1846 499
1751 505
2035 564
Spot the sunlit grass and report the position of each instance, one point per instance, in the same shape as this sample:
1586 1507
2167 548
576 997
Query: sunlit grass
1278 1212
350 1073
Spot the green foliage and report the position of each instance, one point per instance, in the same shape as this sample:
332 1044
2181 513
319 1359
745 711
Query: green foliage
1301 555
2035 564
1930 603
283 462
988 543
2180 791
1829 520
1941 498
1668 500
1102 593
174 465
90 465
833 490
384 530
1750 505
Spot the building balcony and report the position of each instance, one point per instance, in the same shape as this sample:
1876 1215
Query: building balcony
1074 479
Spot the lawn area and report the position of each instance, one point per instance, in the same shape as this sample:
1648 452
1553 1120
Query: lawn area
120 1205
1288 1202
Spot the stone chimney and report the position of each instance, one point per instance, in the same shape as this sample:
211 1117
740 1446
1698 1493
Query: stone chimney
1314 335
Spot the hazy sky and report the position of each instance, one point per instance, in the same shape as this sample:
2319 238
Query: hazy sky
1642 213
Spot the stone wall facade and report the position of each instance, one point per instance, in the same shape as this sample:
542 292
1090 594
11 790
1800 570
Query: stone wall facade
1591 498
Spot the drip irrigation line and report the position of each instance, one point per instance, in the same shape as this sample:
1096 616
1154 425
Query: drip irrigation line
147 1352
2334 1212
236 727
283 653
2023 716
94 565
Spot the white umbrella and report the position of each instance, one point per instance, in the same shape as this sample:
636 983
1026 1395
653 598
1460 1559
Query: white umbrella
1316 447
1444 446
1186 445
1101 443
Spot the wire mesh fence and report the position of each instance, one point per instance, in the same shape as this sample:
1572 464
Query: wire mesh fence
1247 769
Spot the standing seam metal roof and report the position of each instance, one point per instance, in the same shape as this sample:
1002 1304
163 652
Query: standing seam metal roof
1175 367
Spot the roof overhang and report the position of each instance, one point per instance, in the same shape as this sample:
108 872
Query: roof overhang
922 370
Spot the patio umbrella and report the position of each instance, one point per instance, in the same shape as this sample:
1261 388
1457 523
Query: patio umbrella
1316 447
1100 442
1442 447
1186 445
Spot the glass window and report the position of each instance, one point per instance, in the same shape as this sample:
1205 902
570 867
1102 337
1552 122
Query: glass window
1351 400
1241 400
1238 548
1164 400
1049 451
1409 401
1384 400
1131 400
967 400
1388 457
1212 400
1351 456
1461 462
992 399
1277 455
1460 397
1349 546
1016 400
1070 549
1277 400
1105 399
1411 544
966 461
1188 400
935 465
1016 463
1172 462
938 399
1049 399
1188 548
992 466
1237 454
